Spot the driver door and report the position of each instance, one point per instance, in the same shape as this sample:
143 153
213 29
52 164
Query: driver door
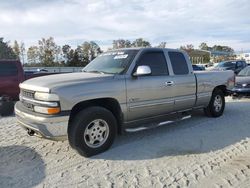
149 96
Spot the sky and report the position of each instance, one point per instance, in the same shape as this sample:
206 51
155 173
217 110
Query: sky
176 22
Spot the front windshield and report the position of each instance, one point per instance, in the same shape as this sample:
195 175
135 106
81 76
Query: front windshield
112 62
245 72
227 64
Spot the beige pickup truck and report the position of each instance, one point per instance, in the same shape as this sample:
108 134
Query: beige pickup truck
120 90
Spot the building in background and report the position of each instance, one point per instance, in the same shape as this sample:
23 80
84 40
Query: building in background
199 56
244 56
207 57
218 56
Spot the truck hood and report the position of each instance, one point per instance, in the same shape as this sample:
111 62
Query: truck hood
46 83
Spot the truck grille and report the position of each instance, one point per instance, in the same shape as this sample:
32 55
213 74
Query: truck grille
28 105
28 94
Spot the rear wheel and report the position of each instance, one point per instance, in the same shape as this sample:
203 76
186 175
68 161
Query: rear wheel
216 105
92 131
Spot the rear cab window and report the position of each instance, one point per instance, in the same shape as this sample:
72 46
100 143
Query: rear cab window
179 63
156 61
8 69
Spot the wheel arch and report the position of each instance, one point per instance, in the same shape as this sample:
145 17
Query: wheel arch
223 88
109 103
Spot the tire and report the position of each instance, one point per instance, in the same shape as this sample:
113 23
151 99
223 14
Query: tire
6 108
216 105
88 126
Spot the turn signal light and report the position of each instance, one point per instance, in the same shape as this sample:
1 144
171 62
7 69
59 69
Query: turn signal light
53 110
47 110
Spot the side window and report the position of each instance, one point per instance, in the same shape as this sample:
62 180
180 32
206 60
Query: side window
8 69
156 61
239 64
178 63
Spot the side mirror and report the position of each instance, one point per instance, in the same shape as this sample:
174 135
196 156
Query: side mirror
142 70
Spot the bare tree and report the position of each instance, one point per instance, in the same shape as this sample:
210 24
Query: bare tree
16 49
33 55
22 52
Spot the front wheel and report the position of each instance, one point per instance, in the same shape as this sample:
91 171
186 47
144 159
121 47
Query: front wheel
92 131
216 105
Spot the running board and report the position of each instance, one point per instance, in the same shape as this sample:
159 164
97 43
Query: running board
151 126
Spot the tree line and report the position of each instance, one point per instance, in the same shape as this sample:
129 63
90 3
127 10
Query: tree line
189 48
47 53
204 46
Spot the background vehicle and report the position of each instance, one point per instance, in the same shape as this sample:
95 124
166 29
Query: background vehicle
242 83
119 91
198 68
32 73
234 65
203 65
11 75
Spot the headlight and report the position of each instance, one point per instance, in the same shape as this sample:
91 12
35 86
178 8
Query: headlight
46 96
47 110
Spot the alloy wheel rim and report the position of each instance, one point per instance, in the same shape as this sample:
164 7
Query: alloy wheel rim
217 103
96 133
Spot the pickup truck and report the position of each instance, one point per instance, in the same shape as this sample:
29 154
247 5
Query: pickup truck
11 75
120 90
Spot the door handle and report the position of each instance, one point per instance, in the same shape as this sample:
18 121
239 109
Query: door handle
169 83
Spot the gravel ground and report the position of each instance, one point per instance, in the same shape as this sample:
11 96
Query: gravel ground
197 152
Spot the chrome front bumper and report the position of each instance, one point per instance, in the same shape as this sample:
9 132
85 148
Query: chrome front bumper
53 128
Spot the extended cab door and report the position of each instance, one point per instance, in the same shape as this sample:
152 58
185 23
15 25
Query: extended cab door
149 96
184 86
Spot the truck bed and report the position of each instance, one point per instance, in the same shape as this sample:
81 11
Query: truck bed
205 84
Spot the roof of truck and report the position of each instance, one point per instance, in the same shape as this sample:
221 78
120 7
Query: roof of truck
139 48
